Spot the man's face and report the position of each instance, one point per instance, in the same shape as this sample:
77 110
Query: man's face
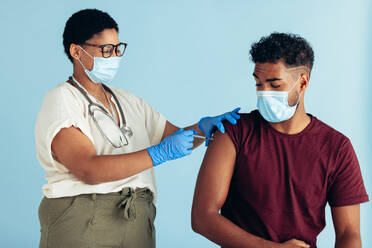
277 77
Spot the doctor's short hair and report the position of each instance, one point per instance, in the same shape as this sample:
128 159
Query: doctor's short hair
82 25
292 49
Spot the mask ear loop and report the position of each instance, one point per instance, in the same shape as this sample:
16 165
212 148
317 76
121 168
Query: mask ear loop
290 89
86 52
88 55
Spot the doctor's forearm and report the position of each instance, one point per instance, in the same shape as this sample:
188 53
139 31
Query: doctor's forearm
107 168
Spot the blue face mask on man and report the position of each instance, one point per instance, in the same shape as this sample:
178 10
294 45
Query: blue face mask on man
274 106
104 69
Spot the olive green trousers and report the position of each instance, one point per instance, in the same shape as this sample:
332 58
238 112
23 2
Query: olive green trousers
122 219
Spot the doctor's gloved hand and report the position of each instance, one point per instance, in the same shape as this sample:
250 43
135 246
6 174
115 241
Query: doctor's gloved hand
208 125
174 146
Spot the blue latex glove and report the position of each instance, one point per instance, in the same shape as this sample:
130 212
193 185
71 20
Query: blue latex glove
209 124
174 146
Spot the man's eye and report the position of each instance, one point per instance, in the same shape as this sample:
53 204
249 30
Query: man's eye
275 86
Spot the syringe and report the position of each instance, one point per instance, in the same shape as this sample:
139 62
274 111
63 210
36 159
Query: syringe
202 137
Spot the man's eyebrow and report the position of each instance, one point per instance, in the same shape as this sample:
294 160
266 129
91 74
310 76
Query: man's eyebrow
268 79
272 79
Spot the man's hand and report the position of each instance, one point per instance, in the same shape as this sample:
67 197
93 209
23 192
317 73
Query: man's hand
294 243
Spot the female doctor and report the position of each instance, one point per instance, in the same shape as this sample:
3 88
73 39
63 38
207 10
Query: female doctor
99 146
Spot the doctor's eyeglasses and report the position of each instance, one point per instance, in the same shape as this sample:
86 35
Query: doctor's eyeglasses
108 49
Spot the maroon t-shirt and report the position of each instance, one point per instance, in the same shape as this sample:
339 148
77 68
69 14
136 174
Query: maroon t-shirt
282 183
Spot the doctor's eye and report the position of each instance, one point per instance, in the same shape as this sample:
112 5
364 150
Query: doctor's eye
275 86
107 51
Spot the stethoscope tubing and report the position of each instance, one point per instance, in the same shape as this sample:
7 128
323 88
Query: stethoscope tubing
70 80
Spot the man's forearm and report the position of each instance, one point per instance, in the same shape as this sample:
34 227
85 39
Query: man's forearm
222 231
348 240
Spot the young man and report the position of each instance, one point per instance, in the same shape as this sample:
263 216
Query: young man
273 173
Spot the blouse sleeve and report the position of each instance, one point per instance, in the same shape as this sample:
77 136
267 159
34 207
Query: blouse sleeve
60 109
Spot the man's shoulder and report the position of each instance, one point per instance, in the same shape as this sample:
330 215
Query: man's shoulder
251 116
244 124
327 132
246 118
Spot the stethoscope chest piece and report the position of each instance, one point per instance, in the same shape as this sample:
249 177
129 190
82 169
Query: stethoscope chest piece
127 130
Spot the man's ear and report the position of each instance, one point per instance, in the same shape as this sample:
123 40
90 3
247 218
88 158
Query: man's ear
304 81
75 51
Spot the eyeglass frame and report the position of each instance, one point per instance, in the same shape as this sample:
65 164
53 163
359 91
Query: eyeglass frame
114 47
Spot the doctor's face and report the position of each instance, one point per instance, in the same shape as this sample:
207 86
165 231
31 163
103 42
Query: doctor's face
107 36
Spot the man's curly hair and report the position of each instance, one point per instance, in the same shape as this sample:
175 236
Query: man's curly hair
292 49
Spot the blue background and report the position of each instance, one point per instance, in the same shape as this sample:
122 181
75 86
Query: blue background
187 59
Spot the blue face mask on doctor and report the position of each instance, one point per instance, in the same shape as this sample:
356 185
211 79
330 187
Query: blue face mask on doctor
104 69
274 106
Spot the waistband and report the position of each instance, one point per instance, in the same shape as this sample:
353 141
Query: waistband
128 197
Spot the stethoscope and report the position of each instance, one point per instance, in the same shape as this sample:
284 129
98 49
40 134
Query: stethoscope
93 107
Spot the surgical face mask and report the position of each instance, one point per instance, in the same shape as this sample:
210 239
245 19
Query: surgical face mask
104 69
273 105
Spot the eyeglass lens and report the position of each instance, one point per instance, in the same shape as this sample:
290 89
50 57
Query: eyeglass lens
108 50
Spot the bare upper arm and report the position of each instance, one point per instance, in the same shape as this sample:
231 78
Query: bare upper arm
215 175
346 219
71 148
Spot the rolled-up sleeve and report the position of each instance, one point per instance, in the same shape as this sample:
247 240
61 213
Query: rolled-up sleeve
59 110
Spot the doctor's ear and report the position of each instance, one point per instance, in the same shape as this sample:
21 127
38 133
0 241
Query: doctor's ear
75 51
